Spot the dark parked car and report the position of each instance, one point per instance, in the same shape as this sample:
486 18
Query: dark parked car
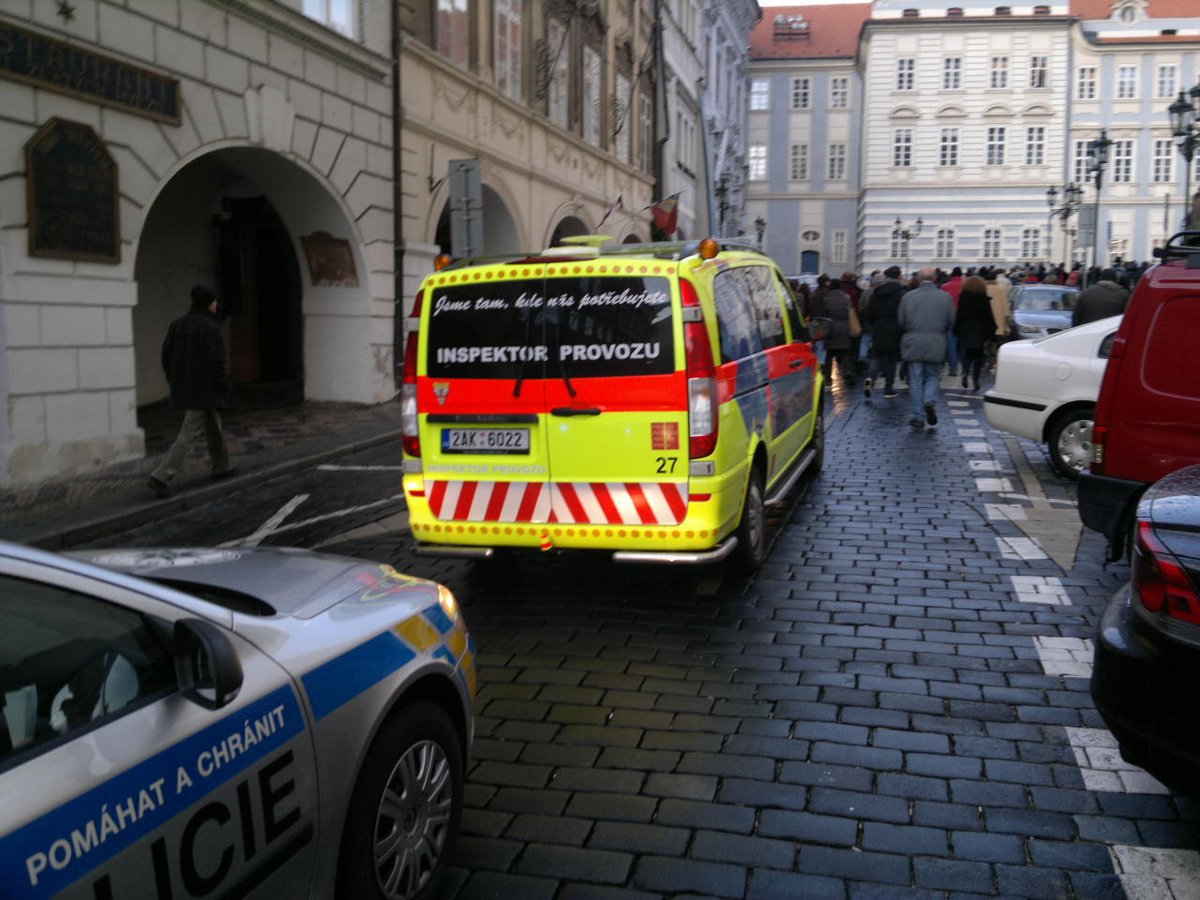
1148 651
1040 309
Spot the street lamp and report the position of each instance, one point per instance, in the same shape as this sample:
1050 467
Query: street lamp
1071 195
1184 112
1097 160
905 233
760 225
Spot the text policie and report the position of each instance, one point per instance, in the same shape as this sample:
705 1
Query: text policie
146 809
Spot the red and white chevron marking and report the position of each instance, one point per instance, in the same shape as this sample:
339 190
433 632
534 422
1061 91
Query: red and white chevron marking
581 503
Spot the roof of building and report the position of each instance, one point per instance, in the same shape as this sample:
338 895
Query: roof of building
808 32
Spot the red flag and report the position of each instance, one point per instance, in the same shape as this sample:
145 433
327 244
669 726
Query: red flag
666 214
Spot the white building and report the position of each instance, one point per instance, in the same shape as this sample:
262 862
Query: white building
684 166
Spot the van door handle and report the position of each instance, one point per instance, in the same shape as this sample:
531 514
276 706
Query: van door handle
796 363
575 411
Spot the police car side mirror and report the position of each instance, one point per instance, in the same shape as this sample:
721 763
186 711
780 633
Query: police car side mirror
819 328
206 665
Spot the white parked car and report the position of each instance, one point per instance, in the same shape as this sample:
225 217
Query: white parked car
1046 390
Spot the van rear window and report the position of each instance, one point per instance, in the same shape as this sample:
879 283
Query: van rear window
577 327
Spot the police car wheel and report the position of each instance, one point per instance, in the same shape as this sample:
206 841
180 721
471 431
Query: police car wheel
405 811
752 530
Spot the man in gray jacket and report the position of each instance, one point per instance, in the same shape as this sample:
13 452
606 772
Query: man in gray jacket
926 317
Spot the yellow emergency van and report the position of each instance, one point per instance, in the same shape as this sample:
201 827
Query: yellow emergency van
648 400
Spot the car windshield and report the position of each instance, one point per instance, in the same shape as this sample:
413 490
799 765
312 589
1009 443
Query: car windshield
1043 299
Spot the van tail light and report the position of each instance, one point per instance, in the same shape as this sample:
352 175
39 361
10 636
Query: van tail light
701 376
1159 582
1099 439
410 435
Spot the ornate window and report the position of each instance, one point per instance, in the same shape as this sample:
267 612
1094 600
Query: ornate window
760 92
757 159
948 147
1035 145
1165 86
952 73
1163 169
906 74
943 247
508 48
1085 84
591 110
801 93
1122 161
454 31
1126 82
798 164
1039 71
995 145
837 162
999 72
902 147
1030 243
839 92
991 243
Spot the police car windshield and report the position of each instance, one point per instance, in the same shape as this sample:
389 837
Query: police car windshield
571 327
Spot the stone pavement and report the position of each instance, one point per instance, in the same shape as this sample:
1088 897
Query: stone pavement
268 434
896 706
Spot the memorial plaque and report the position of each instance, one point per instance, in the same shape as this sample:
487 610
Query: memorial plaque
42 61
330 261
71 194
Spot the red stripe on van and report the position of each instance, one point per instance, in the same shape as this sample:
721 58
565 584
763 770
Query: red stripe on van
676 499
496 503
578 513
525 512
466 496
436 497
604 498
644 510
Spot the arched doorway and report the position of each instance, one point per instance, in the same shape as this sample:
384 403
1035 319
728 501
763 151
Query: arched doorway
500 232
568 226
238 220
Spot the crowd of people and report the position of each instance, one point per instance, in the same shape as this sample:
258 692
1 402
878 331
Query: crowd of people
890 328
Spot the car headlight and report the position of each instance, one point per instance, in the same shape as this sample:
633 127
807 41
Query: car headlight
448 602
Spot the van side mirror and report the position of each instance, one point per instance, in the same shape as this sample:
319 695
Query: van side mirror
819 328
206 665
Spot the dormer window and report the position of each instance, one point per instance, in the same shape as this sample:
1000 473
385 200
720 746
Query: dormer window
1004 10
1041 10
954 12
911 13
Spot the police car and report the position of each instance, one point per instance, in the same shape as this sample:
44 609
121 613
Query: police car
216 722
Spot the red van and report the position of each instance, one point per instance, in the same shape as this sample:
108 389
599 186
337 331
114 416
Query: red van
1147 420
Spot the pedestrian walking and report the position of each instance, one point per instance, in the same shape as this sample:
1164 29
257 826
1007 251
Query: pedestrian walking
953 286
974 326
839 344
926 318
193 359
882 317
1107 297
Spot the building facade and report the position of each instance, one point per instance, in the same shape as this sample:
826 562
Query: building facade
254 146
684 166
805 131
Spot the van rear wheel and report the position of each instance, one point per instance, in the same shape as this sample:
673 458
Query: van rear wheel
752 530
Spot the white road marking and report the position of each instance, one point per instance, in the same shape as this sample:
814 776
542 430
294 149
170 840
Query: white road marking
1019 548
1100 764
977 447
273 526
971 432
1040 589
1150 874
993 485
1000 512
983 465
1067 656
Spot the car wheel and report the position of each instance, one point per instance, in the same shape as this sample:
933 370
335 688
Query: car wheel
818 445
404 813
752 530
1069 440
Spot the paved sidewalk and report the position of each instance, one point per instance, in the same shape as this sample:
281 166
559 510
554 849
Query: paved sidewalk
266 437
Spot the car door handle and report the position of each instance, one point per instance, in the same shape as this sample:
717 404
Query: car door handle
575 411
796 363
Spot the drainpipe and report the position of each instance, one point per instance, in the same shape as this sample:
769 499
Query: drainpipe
398 317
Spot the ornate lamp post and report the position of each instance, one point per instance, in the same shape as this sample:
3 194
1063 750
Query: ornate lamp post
760 226
1184 112
722 192
905 233
1097 160
1072 194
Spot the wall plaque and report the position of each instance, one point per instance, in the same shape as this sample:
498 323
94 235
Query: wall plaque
330 262
42 61
71 194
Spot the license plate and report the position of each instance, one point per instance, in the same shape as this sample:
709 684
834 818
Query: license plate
485 440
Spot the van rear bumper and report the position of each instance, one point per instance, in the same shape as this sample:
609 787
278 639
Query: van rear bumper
1106 504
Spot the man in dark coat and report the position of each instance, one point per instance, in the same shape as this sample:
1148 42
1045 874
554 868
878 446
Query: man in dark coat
1107 297
193 359
882 317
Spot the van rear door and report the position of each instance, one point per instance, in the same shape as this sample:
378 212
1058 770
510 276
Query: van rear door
481 396
616 395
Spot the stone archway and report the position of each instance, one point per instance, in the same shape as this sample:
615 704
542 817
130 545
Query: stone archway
568 226
286 259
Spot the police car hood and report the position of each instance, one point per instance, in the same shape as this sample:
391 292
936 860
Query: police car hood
263 581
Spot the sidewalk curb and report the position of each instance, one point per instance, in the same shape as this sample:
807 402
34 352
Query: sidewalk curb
103 526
